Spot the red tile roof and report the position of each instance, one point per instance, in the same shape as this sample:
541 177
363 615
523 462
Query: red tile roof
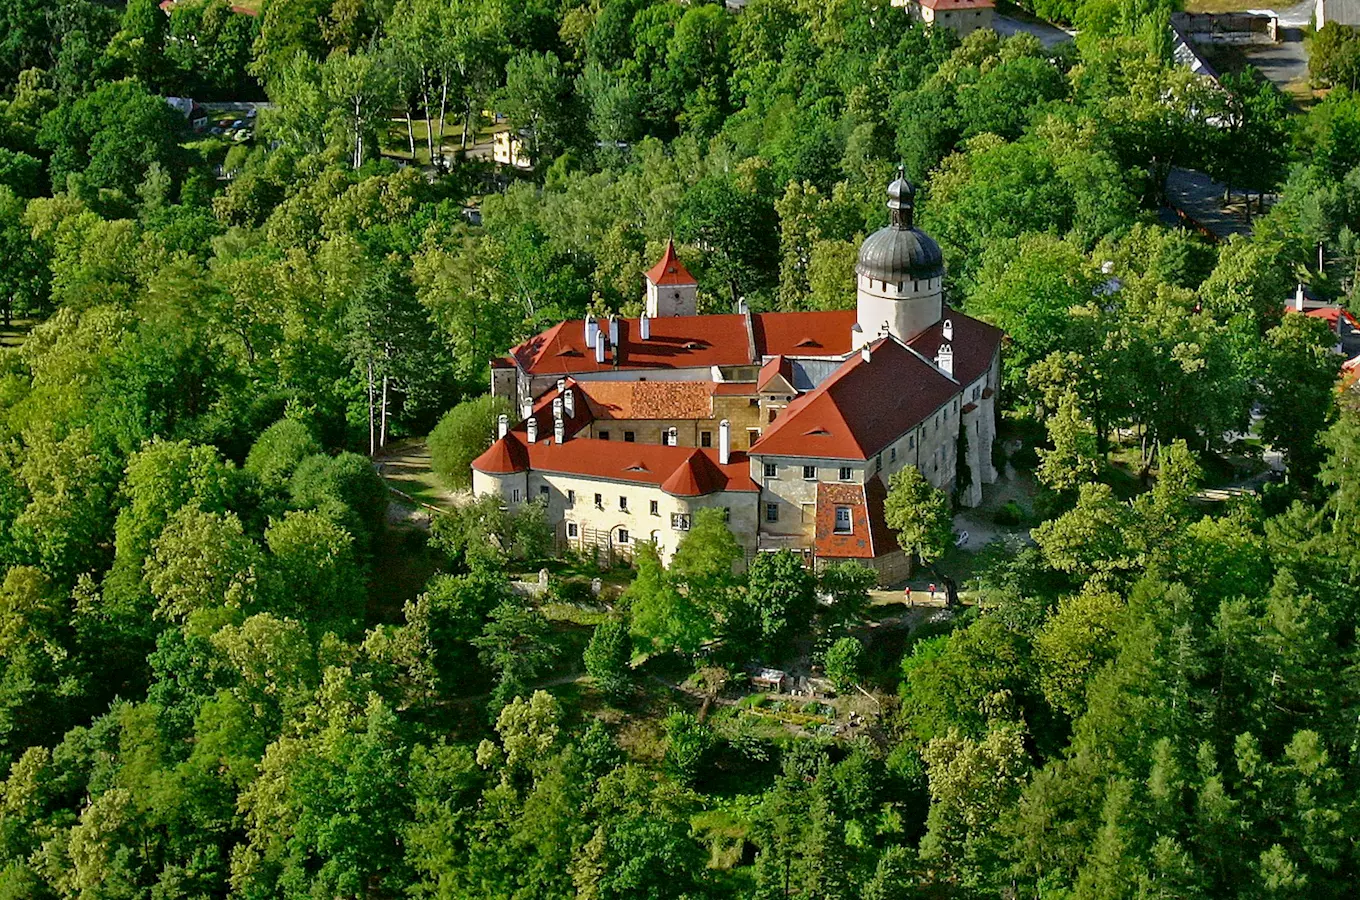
673 469
503 457
862 407
669 269
869 535
649 399
778 366
696 476
974 344
689 342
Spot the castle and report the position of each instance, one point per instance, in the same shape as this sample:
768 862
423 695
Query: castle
791 422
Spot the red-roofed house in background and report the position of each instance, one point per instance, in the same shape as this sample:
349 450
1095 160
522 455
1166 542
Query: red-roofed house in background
960 16
1344 325
791 422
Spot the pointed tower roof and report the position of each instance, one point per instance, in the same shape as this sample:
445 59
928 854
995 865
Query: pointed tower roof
694 477
670 270
505 456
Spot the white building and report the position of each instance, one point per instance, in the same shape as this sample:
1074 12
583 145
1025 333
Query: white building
792 422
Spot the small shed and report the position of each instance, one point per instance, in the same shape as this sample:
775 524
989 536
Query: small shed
770 680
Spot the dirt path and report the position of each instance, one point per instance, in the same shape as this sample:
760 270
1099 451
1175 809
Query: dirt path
405 466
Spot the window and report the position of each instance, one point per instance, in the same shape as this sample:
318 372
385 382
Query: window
809 473
755 401
878 462
771 512
771 470
911 442
845 473
679 522
752 435
604 435
543 490
629 437
843 525
623 504
599 501
977 391
656 508
623 535
571 498
937 421
727 513
892 455
670 437
572 530
774 414
514 496
705 439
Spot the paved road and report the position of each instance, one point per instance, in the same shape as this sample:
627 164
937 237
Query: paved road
1297 16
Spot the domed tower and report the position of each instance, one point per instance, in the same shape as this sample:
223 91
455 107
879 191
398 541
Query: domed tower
900 273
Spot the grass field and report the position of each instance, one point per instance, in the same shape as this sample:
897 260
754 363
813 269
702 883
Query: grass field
14 335
1216 6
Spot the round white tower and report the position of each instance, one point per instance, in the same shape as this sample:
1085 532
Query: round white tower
900 274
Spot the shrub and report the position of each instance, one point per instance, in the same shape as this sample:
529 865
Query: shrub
1026 459
461 436
606 658
1011 514
345 487
843 663
278 451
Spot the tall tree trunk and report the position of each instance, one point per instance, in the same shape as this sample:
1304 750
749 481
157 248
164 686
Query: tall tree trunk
358 135
382 434
411 134
429 128
467 121
443 110
372 434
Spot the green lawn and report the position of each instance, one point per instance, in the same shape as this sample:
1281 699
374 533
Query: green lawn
405 465
395 141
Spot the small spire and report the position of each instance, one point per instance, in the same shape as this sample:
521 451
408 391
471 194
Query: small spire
901 201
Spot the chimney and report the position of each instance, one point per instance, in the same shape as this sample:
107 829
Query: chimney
561 386
672 437
1298 297
557 407
741 306
569 403
502 426
614 332
591 331
866 353
599 350
526 409
947 330
559 431
945 360
724 442
532 427
645 327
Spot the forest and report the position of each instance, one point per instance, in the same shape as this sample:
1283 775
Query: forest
209 686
